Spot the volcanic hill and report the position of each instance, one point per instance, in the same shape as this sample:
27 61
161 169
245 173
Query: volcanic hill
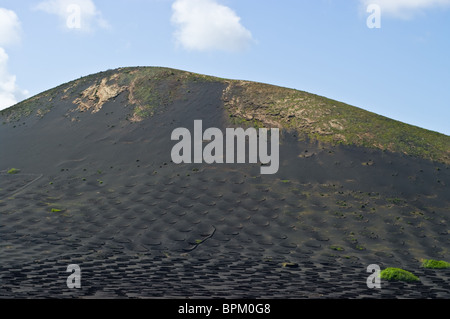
86 177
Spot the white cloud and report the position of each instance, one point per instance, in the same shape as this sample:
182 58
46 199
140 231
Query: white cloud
10 31
10 93
406 8
205 25
9 27
75 14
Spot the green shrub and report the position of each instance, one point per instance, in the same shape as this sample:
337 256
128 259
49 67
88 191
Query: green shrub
397 274
435 264
13 171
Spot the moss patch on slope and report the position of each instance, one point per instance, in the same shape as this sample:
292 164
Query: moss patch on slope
397 274
435 264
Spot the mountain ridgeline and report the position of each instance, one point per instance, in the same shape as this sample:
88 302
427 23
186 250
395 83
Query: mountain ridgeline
150 90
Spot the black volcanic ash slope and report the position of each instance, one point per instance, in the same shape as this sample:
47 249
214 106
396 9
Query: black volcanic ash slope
96 186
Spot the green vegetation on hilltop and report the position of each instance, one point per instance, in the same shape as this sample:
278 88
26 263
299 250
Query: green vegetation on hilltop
148 89
329 121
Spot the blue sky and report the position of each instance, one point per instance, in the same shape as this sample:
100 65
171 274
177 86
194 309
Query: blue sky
400 70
